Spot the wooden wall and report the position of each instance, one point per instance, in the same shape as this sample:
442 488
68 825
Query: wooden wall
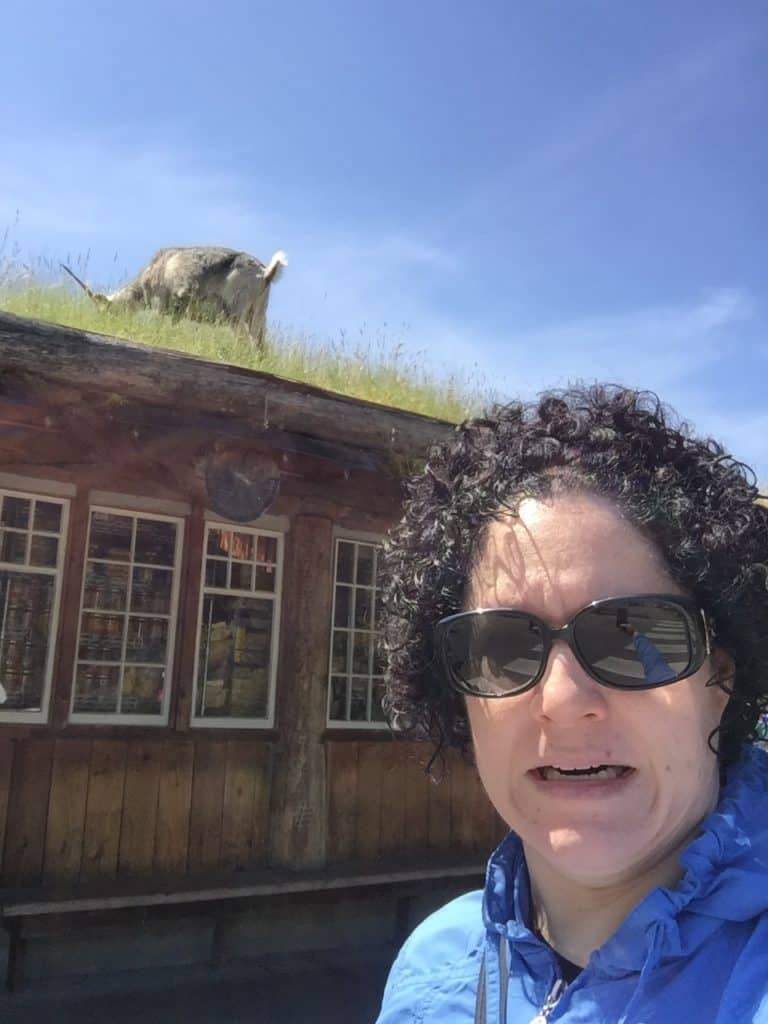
84 810
382 807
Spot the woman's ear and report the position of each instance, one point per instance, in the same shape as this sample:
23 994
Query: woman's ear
722 678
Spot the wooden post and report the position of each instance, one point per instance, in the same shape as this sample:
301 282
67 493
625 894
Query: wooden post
298 820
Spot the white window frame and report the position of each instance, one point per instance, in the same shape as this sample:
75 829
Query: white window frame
116 718
38 494
271 528
375 540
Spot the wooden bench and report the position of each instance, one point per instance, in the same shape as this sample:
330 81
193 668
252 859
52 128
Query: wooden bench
18 907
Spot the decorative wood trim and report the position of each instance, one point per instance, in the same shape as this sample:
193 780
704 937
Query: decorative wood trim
140 503
37 485
363 536
191 584
269 521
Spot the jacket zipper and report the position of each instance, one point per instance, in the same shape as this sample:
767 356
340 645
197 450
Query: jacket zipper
551 1002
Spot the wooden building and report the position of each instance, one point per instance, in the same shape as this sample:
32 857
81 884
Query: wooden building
189 680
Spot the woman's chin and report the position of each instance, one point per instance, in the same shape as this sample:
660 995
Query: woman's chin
594 857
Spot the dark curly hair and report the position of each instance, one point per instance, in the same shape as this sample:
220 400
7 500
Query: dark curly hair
697 503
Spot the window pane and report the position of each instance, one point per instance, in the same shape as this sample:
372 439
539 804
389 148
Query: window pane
13 547
47 516
215 573
339 654
363 608
125 626
96 689
142 690
44 551
242 576
338 708
345 562
265 577
379 658
343 607
360 653
266 549
358 711
377 712
233 674
354 633
101 637
242 547
151 590
15 512
155 542
219 542
147 639
365 564
106 587
26 603
110 536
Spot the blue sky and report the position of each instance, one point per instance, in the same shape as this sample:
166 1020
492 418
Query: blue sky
528 192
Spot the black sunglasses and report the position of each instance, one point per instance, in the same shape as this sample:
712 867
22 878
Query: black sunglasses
628 643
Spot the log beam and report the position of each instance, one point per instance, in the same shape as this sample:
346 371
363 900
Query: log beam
298 824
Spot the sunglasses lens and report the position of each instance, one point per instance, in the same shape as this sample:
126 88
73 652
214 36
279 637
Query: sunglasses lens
639 644
492 653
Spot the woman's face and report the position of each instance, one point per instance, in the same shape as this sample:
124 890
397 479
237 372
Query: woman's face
552 560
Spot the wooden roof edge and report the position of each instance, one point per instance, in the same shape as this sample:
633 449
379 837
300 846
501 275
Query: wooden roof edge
100 363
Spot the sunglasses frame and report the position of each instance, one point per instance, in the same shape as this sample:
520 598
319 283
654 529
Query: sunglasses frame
695 615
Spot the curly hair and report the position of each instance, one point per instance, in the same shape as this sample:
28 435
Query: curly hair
697 503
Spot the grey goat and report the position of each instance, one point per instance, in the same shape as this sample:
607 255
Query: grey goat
204 282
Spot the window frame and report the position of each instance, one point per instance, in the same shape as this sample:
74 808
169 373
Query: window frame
377 541
271 528
116 718
8 717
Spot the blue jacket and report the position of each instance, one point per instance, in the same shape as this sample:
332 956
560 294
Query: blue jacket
696 953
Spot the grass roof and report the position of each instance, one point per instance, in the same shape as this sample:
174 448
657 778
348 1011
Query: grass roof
377 369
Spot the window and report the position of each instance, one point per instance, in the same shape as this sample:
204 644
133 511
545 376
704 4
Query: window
127 618
239 625
32 532
356 676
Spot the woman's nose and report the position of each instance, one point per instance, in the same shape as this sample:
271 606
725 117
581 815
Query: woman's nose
566 693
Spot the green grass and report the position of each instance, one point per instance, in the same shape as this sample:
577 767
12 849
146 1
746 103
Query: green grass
377 369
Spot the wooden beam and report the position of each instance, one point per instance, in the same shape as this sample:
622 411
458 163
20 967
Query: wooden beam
297 884
298 823
125 369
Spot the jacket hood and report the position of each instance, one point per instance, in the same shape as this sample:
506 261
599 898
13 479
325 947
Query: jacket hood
723 881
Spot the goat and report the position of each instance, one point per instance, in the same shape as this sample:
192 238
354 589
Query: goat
204 283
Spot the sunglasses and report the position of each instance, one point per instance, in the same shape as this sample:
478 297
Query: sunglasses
627 643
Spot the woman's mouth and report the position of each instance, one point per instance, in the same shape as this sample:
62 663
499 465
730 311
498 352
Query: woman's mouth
594 773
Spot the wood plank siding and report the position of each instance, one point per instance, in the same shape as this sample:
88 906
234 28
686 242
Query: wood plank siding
382 806
84 811
91 810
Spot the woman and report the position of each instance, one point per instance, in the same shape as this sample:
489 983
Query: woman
580 588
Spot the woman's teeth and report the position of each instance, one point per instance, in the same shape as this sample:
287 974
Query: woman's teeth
603 771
